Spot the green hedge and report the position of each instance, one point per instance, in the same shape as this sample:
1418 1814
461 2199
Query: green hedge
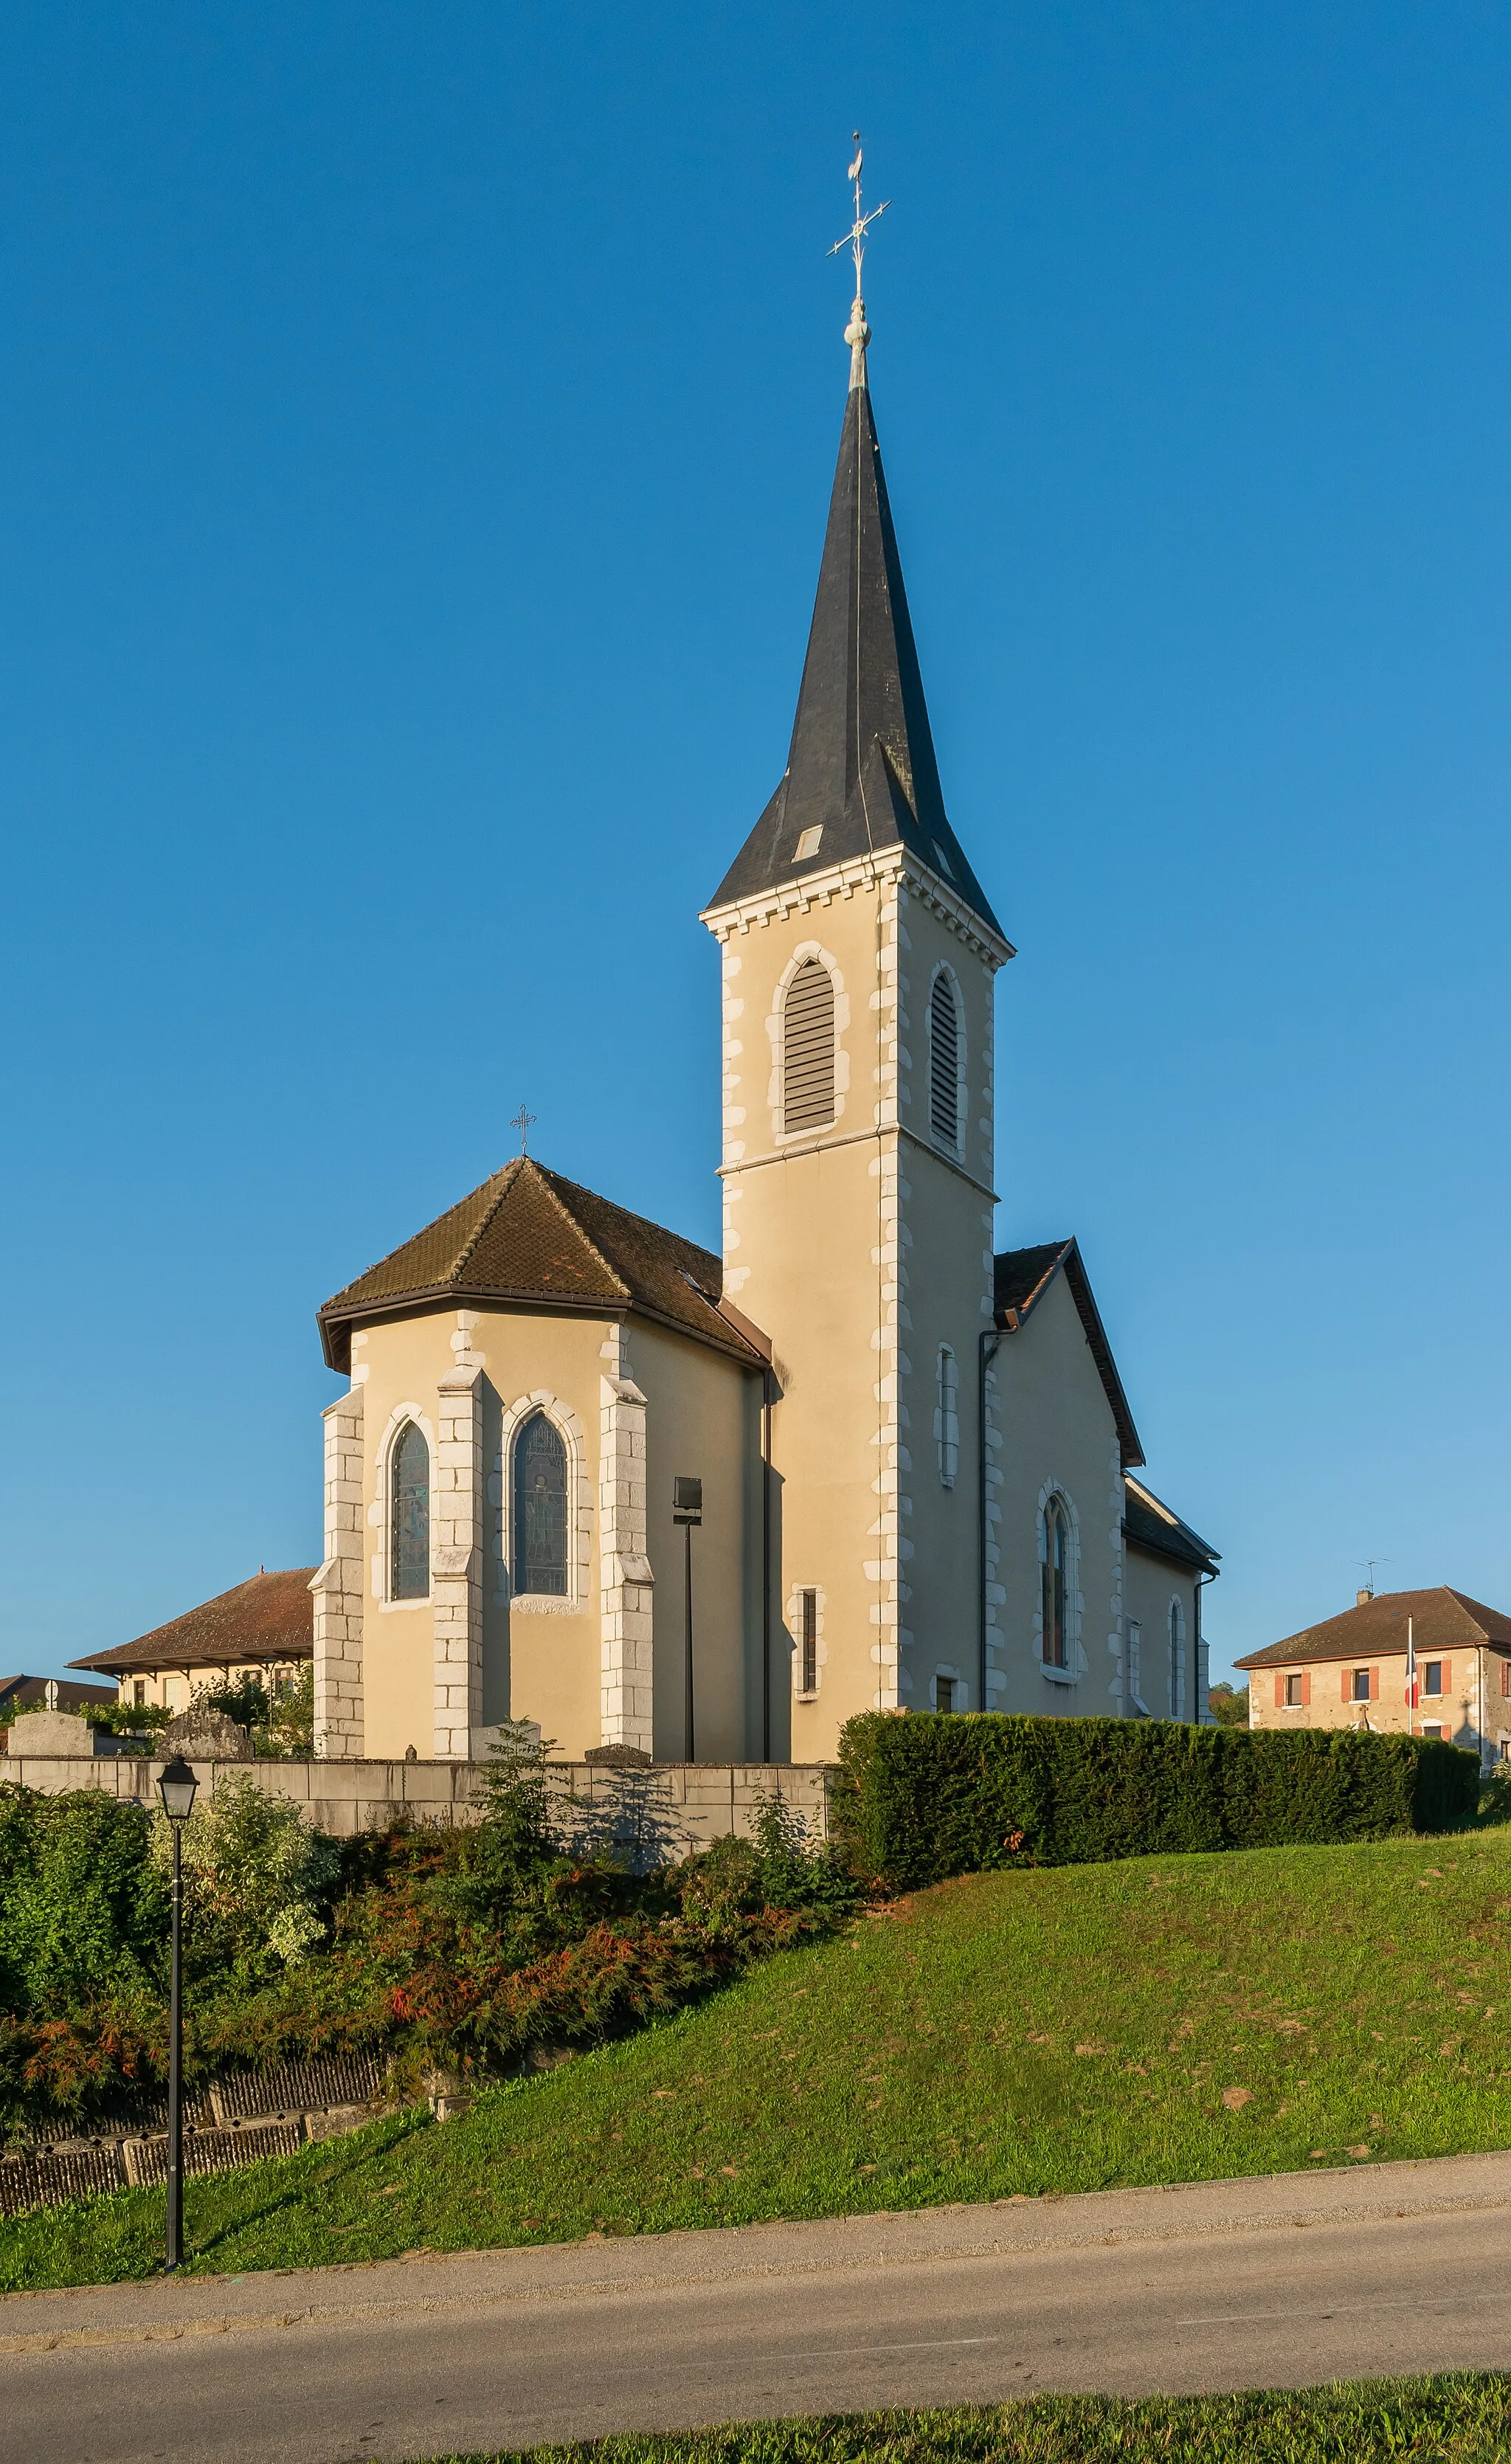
920 1797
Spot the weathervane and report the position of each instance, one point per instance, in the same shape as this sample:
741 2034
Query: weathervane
523 1122
858 332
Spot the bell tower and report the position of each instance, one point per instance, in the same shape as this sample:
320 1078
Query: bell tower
859 953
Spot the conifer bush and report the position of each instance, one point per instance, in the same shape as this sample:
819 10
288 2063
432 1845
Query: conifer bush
921 1797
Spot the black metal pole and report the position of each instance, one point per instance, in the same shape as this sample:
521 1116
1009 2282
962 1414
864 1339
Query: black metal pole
176 2063
687 1533
765 1568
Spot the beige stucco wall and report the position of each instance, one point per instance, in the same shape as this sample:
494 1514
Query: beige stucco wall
542 1658
859 1251
1151 1585
1473 1710
1058 1432
174 1690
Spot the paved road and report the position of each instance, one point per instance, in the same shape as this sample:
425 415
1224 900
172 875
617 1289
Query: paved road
1282 2281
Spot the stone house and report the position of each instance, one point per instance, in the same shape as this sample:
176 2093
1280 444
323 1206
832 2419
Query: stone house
1350 1671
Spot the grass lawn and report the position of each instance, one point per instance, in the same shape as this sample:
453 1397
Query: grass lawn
1171 2019
1459 2420
1463 2419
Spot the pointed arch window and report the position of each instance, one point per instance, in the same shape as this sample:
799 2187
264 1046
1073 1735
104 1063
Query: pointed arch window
807 1049
1177 1661
410 1515
944 1062
1055 1573
540 1507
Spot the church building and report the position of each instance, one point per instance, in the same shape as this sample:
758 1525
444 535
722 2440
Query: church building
897 1467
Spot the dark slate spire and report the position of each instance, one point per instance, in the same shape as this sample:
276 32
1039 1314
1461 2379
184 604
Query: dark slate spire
861 770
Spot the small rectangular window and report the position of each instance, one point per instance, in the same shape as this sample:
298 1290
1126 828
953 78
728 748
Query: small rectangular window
1432 1677
1505 1681
810 1642
1294 1693
807 845
1361 1685
944 1693
138 1692
1431 1728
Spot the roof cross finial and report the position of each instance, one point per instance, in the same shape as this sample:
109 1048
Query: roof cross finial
524 1123
858 332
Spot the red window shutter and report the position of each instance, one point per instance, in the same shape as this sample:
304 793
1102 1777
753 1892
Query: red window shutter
1505 1678
1348 1685
1448 1677
1374 1685
1280 1693
1306 1687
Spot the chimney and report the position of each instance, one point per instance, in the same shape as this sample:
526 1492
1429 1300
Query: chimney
1360 1597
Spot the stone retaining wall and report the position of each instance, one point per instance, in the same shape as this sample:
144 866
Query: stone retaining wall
666 1807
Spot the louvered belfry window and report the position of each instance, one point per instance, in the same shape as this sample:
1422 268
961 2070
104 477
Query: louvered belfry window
944 1064
807 1049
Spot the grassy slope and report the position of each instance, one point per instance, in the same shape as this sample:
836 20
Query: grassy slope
1064 2030
1455 2420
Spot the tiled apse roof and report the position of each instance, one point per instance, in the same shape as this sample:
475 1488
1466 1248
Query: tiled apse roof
529 1237
270 1617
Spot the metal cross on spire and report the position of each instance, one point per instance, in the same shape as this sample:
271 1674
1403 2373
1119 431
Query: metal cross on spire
524 1122
858 332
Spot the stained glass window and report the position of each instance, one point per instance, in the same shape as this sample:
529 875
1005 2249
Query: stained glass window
1053 1572
540 1507
410 1515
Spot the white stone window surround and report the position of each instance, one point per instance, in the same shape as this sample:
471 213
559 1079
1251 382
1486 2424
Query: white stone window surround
1176 1655
381 1510
820 1648
962 1098
947 1415
776 1089
1075 1668
1134 1632
960 1697
574 1599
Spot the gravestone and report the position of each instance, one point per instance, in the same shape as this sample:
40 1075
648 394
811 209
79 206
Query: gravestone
53 1732
205 1736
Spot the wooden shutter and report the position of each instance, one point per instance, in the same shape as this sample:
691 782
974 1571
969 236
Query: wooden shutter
1306 1687
1348 1685
807 1049
1374 1685
1280 1693
943 1063
1448 1677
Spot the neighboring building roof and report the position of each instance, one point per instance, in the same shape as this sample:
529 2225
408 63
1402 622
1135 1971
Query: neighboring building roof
1150 1524
861 768
270 1619
1020 1279
529 1238
1442 1620
19 1693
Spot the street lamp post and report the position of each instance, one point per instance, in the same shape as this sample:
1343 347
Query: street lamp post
176 1786
686 1508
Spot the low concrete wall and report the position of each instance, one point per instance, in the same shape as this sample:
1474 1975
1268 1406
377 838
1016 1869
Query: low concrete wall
665 1809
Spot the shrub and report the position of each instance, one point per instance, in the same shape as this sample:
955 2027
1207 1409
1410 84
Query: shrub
261 1878
83 1910
921 1798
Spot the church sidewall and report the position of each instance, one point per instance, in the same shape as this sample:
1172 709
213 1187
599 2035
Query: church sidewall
1150 1586
700 1421
1058 1432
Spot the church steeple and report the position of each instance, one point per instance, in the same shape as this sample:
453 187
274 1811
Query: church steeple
861 774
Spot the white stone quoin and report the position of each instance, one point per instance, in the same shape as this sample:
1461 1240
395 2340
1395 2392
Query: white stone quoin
338 1585
456 1563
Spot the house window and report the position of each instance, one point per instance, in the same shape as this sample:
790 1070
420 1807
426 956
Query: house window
1431 1728
1359 1679
947 1418
944 1693
1295 1692
1505 1680
1175 1661
1054 1584
807 1049
540 1502
1432 1677
139 1693
810 1642
410 1515
943 1063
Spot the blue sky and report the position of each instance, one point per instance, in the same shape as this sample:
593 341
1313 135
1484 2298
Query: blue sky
416 433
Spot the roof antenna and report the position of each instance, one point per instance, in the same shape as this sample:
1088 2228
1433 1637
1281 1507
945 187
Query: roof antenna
1370 1564
523 1122
858 332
